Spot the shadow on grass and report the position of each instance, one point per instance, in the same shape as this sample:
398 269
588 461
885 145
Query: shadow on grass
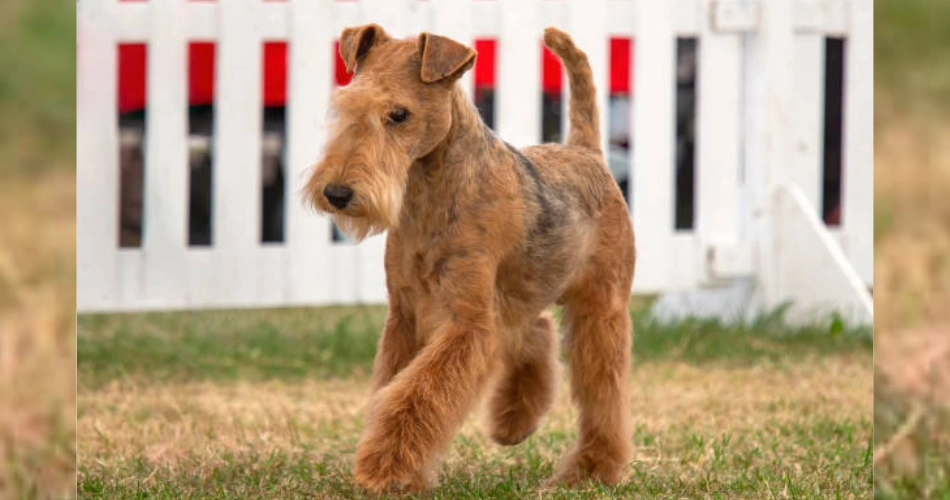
341 342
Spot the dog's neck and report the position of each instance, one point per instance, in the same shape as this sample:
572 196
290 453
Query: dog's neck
466 139
454 164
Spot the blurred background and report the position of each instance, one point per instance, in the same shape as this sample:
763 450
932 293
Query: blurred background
912 248
37 246
37 249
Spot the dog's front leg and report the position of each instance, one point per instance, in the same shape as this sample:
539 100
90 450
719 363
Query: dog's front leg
414 417
398 344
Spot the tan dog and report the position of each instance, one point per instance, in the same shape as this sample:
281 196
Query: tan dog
483 238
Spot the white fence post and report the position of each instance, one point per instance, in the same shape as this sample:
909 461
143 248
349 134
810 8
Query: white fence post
653 130
588 28
97 156
236 194
769 134
809 79
718 141
166 155
518 86
858 140
310 62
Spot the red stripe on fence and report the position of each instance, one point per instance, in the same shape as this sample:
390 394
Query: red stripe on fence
201 73
275 73
484 62
551 73
620 62
133 58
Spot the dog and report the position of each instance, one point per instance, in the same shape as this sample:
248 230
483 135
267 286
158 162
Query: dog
482 239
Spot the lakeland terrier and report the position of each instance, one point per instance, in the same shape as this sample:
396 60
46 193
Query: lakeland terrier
483 239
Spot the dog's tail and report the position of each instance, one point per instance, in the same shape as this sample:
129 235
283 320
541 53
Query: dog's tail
585 119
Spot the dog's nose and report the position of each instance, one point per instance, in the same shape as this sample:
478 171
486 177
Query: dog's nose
338 196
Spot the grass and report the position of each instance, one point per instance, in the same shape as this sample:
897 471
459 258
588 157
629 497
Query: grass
912 245
909 41
269 404
37 340
37 87
340 342
37 249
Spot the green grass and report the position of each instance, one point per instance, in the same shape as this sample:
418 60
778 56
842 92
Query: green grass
335 342
288 343
37 86
911 43
834 464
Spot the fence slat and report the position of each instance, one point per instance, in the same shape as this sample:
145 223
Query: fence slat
97 155
370 276
343 15
652 143
387 13
166 154
518 87
202 20
236 191
417 17
588 28
772 49
135 24
809 113
687 17
273 19
718 131
486 19
621 18
311 53
858 168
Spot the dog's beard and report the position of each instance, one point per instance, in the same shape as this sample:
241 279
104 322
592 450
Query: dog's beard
380 206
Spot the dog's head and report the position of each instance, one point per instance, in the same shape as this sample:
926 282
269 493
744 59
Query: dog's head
396 110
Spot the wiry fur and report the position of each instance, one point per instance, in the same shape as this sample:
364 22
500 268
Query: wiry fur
482 239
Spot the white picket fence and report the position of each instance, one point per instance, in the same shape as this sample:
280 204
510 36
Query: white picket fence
759 126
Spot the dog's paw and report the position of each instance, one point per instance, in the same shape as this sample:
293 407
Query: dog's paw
582 468
382 472
509 432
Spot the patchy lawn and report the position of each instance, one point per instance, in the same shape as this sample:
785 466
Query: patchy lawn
912 249
269 404
37 338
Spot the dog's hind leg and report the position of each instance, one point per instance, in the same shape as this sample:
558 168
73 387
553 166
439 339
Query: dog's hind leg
598 346
598 349
526 388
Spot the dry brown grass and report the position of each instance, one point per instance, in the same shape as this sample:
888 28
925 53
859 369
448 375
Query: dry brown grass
912 293
37 336
206 424
912 205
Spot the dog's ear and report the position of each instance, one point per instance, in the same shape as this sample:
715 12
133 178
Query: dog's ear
355 43
443 58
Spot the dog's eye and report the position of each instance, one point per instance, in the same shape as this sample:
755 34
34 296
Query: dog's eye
398 115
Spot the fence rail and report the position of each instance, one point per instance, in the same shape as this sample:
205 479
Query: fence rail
752 57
